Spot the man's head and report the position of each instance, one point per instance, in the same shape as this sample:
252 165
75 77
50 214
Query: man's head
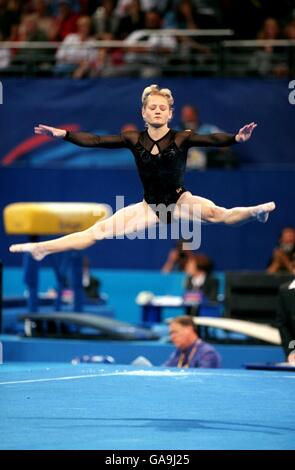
189 117
152 20
288 236
84 27
64 8
183 332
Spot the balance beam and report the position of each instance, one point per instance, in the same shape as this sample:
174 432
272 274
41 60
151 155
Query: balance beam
35 219
52 218
265 333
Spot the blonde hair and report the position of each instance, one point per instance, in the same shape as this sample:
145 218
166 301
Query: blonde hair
156 90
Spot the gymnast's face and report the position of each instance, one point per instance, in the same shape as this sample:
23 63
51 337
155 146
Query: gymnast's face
157 112
182 336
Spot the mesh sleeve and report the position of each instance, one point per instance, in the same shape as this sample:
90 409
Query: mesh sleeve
84 139
219 139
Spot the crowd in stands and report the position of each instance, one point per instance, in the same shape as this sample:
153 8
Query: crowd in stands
77 24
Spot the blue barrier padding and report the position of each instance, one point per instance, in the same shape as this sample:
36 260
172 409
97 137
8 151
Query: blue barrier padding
16 349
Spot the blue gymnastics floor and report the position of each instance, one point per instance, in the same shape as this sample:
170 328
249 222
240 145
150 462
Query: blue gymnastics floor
60 406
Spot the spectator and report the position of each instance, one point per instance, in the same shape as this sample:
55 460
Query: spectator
65 21
283 257
105 19
28 31
182 16
44 20
109 61
199 270
190 53
269 59
204 157
177 258
290 30
77 53
150 61
191 351
132 20
146 5
10 13
290 35
76 5
5 54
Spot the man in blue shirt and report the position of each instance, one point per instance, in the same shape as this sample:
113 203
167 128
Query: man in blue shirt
191 350
205 157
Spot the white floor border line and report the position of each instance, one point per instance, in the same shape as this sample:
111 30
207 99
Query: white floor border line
166 373
147 373
52 379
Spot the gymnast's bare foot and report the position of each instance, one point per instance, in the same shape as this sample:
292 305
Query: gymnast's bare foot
36 250
262 211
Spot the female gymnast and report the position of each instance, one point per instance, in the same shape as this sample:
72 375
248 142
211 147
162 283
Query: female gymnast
160 154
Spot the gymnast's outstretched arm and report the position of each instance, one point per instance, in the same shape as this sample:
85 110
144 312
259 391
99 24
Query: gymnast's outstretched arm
220 139
85 139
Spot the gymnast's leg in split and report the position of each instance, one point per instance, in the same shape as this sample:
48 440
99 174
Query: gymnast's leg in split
130 219
188 206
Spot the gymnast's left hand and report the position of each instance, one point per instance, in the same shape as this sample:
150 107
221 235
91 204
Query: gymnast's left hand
52 131
245 132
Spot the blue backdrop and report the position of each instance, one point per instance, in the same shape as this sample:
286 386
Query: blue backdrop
104 106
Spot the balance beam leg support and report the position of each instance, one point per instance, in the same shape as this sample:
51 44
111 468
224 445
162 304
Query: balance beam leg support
31 279
76 280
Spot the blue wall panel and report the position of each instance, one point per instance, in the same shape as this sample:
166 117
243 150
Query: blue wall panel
50 350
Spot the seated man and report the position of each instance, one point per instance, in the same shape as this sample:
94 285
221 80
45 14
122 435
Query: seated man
205 157
191 350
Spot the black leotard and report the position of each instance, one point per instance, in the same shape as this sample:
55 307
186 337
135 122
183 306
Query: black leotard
162 175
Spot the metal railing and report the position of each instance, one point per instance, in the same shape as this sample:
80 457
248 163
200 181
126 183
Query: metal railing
149 53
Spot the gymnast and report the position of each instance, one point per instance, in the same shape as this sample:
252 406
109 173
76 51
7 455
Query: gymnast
160 155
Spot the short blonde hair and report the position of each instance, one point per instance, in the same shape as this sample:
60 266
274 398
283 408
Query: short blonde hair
156 90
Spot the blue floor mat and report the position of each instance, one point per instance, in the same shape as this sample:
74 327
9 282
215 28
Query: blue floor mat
59 406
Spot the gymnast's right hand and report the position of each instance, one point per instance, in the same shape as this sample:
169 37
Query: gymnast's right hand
52 131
